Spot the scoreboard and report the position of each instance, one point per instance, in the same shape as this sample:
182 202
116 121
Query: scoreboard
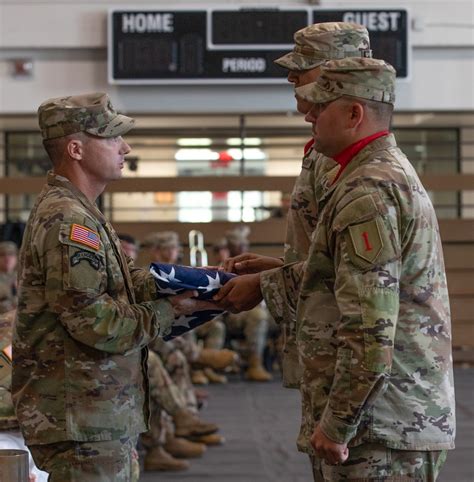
238 46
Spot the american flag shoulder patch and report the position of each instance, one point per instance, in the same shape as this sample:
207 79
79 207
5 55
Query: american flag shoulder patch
87 237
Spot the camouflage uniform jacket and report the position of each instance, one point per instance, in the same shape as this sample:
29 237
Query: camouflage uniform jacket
85 316
383 372
301 222
8 420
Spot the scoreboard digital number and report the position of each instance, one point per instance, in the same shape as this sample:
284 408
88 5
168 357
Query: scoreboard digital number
216 46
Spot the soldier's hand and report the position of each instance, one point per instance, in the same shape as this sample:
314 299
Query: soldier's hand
240 294
186 303
248 263
332 452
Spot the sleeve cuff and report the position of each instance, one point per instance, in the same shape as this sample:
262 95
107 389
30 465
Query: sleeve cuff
273 292
165 316
336 429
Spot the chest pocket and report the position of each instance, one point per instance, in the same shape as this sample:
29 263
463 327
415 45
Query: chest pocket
83 259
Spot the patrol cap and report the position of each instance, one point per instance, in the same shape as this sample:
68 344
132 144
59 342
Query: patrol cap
370 79
238 235
8 247
325 41
162 239
221 243
92 113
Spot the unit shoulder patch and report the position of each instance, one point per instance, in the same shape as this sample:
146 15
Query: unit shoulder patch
93 259
366 240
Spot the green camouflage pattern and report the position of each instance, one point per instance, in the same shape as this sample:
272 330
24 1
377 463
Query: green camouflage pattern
162 239
177 366
165 398
107 461
280 286
92 113
371 462
383 372
8 292
324 41
85 317
8 247
253 324
8 420
365 78
212 333
163 391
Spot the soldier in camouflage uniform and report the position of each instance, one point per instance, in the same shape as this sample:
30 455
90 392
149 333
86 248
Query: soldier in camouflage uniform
85 313
313 46
377 385
8 274
10 436
253 323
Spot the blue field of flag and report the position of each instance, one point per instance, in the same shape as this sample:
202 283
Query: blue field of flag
172 279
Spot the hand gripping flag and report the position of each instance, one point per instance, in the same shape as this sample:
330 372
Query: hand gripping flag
172 279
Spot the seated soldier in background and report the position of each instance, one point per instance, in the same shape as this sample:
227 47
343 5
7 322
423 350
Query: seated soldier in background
252 324
10 435
8 276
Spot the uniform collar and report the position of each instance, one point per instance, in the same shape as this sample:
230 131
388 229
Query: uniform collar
54 179
346 156
382 143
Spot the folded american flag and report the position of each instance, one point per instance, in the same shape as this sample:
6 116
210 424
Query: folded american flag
172 279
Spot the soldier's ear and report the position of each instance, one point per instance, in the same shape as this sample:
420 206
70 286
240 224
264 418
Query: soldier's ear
75 149
357 114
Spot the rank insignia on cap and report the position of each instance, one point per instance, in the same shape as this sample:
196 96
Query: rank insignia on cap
87 237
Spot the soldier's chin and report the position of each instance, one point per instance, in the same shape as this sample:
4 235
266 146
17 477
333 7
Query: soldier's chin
302 106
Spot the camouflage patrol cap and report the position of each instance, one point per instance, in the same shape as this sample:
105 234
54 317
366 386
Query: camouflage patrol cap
8 247
370 79
92 113
162 239
326 41
238 235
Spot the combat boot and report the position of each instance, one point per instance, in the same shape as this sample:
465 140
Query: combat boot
184 449
158 459
217 359
211 439
214 377
198 377
187 424
256 372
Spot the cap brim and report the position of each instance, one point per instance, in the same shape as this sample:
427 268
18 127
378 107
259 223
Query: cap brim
294 61
118 126
316 94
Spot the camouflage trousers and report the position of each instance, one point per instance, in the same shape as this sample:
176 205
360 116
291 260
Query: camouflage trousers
254 326
212 334
164 393
178 368
110 461
376 463
165 401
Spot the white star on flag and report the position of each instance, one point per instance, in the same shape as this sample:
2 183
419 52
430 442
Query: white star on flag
164 276
183 320
168 291
214 284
